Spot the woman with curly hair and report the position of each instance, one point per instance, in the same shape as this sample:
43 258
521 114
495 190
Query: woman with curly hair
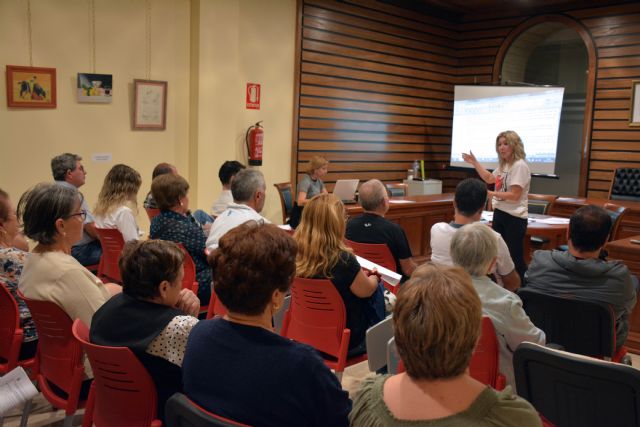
117 206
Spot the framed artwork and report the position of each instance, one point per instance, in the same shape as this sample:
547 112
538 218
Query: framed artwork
634 116
31 87
150 104
95 88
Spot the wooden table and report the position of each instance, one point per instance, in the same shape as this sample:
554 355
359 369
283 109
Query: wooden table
629 224
556 233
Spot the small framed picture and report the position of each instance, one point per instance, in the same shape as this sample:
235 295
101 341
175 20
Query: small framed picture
95 88
150 104
31 87
634 116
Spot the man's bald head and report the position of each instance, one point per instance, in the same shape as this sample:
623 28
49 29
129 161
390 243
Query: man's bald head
372 195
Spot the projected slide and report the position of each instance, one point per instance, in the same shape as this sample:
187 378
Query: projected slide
480 113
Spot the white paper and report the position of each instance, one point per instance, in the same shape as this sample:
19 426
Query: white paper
487 216
101 157
552 220
286 227
400 201
15 389
387 275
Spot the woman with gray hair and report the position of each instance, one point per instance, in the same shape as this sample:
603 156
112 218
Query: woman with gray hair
474 247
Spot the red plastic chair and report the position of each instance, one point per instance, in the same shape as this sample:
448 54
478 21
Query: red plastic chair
112 243
59 357
11 334
152 213
189 280
122 392
485 362
317 317
184 412
216 308
377 253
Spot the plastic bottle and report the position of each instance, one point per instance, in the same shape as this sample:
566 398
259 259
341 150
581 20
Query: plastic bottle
416 169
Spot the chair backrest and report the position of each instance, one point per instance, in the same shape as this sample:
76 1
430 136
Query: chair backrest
123 391
59 356
317 315
278 318
378 253
112 243
377 338
616 212
189 280
180 411
286 199
152 212
571 390
580 326
397 189
485 362
625 184
394 362
10 332
215 308
540 203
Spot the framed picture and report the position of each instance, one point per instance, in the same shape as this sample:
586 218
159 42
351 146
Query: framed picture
150 104
31 87
634 116
95 87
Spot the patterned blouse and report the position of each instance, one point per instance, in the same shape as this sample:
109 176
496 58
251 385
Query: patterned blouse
11 262
184 229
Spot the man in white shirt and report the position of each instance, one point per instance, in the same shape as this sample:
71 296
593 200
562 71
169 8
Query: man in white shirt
227 173
469 201
248 190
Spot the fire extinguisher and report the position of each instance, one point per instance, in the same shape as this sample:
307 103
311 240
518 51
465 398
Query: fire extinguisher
254 139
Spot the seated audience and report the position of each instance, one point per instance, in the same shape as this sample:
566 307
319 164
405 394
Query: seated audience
11 263
160 169
117 207
309 186
475 248
469 201
581 273
52 215
437 322
153 315
236 366
372 227
176 224
322 254
227 173
248 189
68 171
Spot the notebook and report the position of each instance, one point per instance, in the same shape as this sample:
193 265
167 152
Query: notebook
345 190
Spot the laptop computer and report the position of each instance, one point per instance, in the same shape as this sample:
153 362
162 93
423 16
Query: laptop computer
345 190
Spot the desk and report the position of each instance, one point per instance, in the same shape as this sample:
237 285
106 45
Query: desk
630 222
556 233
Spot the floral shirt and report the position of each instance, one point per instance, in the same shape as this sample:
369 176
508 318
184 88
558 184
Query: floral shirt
11 262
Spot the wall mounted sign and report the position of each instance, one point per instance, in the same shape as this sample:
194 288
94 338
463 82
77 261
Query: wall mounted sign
253 96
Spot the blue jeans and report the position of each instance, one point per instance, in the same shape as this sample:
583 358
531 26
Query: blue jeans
88 254
202 217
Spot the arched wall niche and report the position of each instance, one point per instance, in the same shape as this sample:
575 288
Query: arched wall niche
558 38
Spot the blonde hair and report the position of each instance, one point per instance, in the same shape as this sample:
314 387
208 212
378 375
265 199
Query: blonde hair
316 162
514 141
120 187
473 247
320 236
437 321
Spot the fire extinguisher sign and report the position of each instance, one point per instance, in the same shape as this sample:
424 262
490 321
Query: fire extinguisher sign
253 96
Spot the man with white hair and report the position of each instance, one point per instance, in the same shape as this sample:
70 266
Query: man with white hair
248 190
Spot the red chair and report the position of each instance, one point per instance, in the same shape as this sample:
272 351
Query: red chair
317 317
112 243
377 253
183 412
11 334
189 280
216 308
122 392
59 359
485 361
152 213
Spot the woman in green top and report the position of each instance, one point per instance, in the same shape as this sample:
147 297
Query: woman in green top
437 321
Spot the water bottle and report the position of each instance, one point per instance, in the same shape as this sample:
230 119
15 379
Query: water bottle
416 169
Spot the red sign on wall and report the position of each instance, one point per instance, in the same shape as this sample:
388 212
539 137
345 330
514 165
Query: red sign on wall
253 96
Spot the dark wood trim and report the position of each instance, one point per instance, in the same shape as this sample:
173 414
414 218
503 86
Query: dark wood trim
584 34
296 94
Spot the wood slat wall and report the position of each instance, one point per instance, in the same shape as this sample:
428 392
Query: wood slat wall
375 87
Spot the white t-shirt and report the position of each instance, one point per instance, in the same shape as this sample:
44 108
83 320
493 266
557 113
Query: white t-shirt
441 235
518 174
123 220
221 202
235 215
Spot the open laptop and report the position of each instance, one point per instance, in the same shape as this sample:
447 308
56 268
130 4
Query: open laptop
345 190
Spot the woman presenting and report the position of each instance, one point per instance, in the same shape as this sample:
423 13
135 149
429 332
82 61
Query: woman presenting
512 180
309 186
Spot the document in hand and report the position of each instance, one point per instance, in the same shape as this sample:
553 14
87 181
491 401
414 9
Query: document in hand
386 274
15 389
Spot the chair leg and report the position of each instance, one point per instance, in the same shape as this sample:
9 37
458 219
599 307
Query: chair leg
25 413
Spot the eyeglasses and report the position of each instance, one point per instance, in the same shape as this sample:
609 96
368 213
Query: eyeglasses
82 214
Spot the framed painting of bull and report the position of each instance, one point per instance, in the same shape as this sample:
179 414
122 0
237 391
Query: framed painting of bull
31 87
